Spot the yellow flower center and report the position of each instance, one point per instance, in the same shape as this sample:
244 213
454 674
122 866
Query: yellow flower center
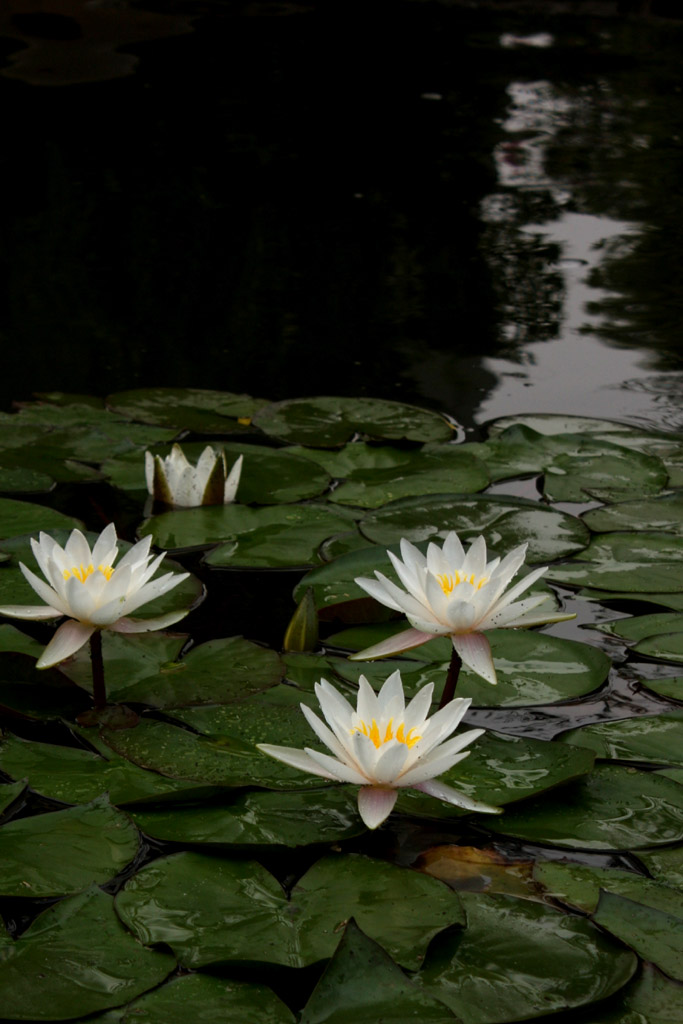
375 735
448 582
82 572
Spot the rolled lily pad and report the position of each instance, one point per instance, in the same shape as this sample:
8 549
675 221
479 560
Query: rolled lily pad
375 475
663 513
10 792
519 959
204 908
362 983
207 1000
21 517
74 775
327 422
657 739
656 935
76 958
146 669
277 536
65 851
504 522
612 808
328 815
201 411
532 668
269 476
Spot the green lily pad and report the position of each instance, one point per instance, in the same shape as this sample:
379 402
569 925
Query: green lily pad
327 422
663 513
201 411
630 577
652 998
24 481
74 775
519 959
374 475
500 770
612 808
671 687
206 910
657 739
667 647
575 465
65 851
146 669
504 522
633 546
207 1000
228 756
269 476
656 935
673 601
580 885
638 627
328 815
10 793
76 958
362 983
666 863
275 536
20 517
532 668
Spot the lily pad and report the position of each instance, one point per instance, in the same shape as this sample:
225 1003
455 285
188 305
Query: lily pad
657 739
663 513
10 792
205 909
665 864
326 422
17 517
580 885
471 869
626 577
362 983
519 959
633 546
276 536
201 411
501 770
146 669
612 808
328 815
550 424
656 935
374 475
24 481
269 476
76 958
532 668
65 851
207 1000
74 775
504 522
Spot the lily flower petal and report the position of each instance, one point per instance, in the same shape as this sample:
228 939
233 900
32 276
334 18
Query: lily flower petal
173 480
450 592
94 594
381 745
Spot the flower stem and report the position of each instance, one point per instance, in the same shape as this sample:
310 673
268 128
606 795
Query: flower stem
451 679
99 692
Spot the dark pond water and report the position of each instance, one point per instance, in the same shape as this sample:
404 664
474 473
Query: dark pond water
473 206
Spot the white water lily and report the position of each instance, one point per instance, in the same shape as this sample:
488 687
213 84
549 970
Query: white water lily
85 586
452 593
383 746
175 481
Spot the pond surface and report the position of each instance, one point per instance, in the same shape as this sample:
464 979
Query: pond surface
471 208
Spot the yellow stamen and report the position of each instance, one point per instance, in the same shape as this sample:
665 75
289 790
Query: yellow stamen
448 582
374 734
82 572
